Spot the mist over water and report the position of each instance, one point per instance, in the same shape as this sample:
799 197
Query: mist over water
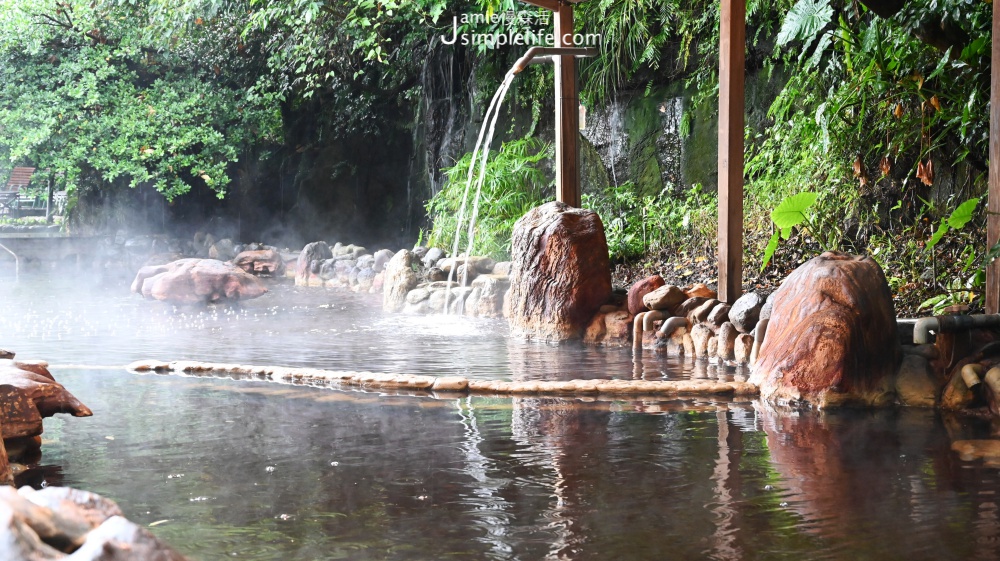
80 322
225 469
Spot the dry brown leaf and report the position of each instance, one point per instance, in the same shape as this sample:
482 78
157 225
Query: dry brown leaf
935 103
885 165
925 172
899 111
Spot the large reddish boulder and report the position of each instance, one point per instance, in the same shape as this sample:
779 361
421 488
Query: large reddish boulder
832 335
561 272
197 281
261 262
640 289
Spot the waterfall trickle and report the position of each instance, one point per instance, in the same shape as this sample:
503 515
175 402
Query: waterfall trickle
489 122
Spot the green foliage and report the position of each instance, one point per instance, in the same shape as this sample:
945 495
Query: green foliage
86 99
514 184
958 219
790 213
637 225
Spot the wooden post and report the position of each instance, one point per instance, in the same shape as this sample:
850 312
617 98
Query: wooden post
993 200
567 112
731 108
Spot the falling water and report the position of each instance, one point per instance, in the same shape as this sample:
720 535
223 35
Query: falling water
490 123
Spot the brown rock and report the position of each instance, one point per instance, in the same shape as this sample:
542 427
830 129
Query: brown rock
718 316
561 272
742 348
492 289
619 328
700 314
641 288
699 290
915 382
727 341
261 262
713 347
399 279
28 396
832 335
685 308
197 281
664 298
596 330
700 334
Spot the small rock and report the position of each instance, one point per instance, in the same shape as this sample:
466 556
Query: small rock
619 328
433 255
746 311
690 304
727 340
502 268
700 334
381 259
713 347
915 384
700 290
742 348
596 330
701 313
435 274
664 298
718 315
639 290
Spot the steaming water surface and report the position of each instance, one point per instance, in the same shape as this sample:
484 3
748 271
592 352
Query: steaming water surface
226 469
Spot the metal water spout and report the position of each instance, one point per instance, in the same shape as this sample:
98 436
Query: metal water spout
538 55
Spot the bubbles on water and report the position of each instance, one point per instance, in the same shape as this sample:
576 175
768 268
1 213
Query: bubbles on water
269 469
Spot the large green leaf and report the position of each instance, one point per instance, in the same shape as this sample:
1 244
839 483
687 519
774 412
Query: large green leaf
963 213
805 20
791 211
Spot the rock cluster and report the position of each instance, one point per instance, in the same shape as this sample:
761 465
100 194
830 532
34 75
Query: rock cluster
416 282
687 320
62 523
341 266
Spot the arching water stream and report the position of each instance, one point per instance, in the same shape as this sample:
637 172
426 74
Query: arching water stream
226 469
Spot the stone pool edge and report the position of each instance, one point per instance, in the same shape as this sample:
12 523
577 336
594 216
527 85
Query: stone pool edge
455 384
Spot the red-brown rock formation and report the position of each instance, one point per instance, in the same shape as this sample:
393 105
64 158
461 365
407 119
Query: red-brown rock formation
832 335
197 281
27 394
640 289
561 272
261 262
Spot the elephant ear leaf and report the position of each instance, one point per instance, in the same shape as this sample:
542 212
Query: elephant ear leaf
806 19
791 211
963 213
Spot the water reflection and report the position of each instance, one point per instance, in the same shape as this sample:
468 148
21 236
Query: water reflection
262 471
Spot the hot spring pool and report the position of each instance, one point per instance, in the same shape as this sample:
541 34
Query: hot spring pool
226 469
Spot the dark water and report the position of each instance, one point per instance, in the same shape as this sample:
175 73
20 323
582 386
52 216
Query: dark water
227 469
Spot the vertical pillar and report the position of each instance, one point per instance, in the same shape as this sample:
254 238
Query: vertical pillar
731 108
567 112
993 200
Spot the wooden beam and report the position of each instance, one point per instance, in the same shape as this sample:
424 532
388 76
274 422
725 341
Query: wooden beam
731 109
547 4
993 202
567 113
